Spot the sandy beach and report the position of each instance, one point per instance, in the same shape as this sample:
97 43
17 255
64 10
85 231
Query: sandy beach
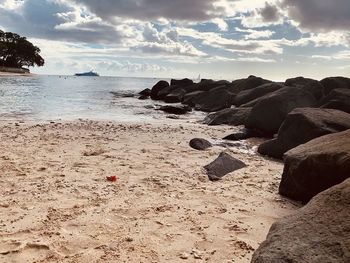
57 205
9 74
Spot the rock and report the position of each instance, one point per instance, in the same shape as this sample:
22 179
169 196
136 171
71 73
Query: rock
223 165
332 83
123 94
303 125
269 112
246 84
145 92
181 82
189 98
243 135
175 96
231 116
157 88
200 144
311 85
166 91
178 110
316 166
251 94
206 85
213 100
337 99
143 97
318 232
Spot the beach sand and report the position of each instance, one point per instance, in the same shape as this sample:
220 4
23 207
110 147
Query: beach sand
56 204
9 74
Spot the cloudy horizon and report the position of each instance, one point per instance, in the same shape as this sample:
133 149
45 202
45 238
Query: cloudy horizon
221 39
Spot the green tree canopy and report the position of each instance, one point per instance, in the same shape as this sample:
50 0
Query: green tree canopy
18 52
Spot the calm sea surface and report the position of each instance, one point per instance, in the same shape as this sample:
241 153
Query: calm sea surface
71 98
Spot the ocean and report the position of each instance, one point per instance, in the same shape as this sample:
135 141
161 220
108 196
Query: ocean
67 98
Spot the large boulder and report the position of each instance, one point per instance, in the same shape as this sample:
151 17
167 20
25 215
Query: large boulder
318 232
214 100
311 85
223 165
246 84
231 116
316 166
181 82
337 99
206 85
190 98
270 111
303 125
177 110
157 88
251 94
175 96
332 83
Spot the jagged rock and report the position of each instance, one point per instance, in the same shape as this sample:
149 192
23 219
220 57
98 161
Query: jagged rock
311 85
143 97
157 88
223 165
316 166
200 144
270 111
178 110
166 91
332 83
337 99
206 85
318 232
303 125
251 94
231 116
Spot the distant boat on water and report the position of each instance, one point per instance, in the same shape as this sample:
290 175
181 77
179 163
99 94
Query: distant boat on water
87 74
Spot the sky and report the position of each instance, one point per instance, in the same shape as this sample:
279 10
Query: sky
220 39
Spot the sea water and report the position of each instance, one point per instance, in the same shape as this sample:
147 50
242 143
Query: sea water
69 98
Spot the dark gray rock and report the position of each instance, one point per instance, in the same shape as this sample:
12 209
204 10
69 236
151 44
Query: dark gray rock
191 97
145 92
316 166
246 84
166 91
206 85
242 135
175 96
231 116
332 83
337 99
303 125
157 88
143 97
181 82
311 85
213 100
318 232
270 111
177 110
223 165
200 144
251 94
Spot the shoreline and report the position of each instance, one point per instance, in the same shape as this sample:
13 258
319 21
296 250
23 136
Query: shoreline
11 74
58 205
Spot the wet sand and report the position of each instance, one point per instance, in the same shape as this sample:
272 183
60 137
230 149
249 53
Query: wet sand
56 204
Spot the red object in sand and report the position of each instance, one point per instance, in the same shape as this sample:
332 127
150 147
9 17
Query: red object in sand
112 178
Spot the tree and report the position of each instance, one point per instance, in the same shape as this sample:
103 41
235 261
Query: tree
18 52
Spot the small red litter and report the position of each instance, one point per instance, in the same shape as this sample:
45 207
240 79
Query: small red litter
112 178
